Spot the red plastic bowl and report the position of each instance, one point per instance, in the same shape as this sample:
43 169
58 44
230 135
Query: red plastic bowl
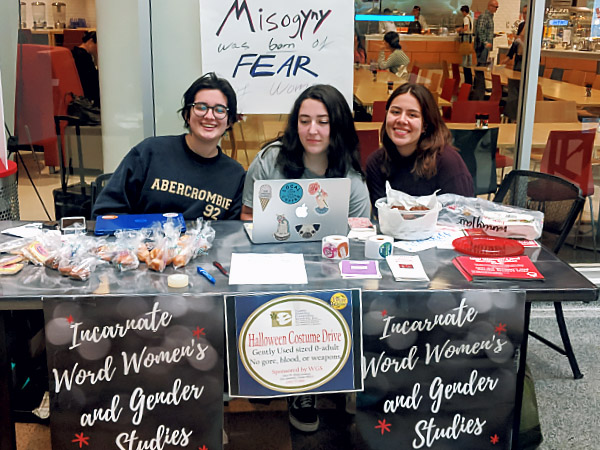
487 246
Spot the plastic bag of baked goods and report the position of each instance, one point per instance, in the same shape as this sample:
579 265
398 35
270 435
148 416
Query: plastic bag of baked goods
495 219
196 241
406 217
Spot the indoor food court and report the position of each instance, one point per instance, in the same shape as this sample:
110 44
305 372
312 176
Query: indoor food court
299 225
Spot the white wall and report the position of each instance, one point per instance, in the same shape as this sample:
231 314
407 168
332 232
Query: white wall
120 74
176 58
9 19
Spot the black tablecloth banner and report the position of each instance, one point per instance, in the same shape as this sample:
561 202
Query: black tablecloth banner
440 369
135 371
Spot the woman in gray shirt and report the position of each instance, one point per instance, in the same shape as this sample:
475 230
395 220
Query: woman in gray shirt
319 142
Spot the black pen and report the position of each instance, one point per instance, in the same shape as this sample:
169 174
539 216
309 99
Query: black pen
221 268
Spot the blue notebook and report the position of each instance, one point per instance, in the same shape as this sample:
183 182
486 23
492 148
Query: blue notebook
110 223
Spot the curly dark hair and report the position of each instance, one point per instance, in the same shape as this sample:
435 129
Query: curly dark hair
209 81
342 153
435 137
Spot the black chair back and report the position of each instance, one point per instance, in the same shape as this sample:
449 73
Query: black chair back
560 201
98 184
478 150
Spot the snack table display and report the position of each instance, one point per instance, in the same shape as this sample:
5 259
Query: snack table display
29 288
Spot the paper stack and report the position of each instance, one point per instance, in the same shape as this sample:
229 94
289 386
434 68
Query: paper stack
407 268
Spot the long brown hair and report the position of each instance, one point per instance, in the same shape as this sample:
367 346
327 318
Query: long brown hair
435 137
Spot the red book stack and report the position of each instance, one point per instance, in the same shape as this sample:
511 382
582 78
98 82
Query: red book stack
505 268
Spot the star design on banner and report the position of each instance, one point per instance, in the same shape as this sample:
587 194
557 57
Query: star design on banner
81 439
384 313
500 328
384 426
70 318
204 447
199 332
494 439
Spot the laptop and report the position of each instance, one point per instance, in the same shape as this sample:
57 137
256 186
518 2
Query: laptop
299 210
109 223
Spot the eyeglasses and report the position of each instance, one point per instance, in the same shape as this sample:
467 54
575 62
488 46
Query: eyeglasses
201 108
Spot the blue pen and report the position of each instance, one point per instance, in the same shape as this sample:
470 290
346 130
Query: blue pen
205 274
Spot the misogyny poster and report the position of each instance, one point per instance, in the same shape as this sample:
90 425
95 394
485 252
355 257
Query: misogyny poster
271 50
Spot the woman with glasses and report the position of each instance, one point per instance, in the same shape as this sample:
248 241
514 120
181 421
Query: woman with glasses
188 173
319 142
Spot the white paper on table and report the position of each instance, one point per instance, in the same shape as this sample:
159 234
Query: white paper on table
28 230
442 238
407 268
262 268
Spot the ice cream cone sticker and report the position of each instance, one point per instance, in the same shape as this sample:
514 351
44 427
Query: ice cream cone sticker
264 195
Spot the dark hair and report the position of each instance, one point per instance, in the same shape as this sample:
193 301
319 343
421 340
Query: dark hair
417 7
342 154
391 37
209 81
89 35
435 137
464 8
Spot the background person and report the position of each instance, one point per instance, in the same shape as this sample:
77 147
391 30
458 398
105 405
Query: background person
319 141
466 34
420 24
417 156
397 59
516 48
188 173
85 56
484 33
387 25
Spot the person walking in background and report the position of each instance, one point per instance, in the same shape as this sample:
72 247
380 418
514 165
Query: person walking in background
85 56
398 59
484 33
483 43
466 35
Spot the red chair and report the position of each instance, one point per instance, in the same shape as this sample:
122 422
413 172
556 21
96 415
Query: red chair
463 92
414 75
45 77
496 94
378 111
369 142
447 94
465 112
456 71
568 154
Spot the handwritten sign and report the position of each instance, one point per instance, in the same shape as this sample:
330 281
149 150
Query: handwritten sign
271 50
440 369
135 372
282 344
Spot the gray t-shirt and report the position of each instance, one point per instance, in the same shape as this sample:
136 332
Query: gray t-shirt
263 167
